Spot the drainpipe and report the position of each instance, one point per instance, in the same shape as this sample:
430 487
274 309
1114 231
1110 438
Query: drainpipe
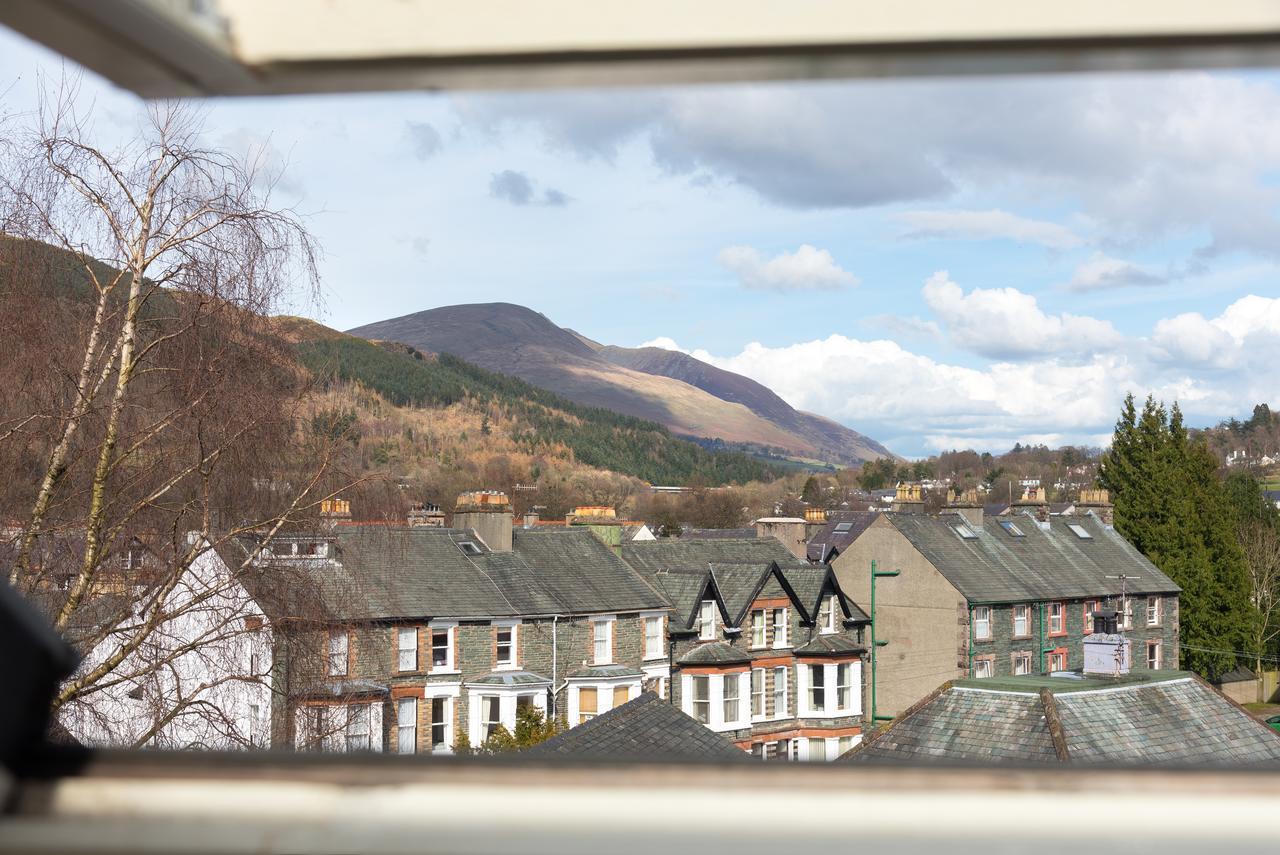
555 660
876 644
971 638
1043 639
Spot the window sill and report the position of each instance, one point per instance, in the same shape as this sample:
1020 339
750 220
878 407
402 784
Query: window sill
440 672
782 647
509 666
661 657
986 640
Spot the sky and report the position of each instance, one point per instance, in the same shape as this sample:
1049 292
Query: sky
937 263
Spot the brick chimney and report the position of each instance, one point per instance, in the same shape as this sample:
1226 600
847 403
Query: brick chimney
488 514
335 510
908 498
1099 502
790 531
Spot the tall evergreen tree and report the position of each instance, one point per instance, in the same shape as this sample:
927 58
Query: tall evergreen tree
1170 504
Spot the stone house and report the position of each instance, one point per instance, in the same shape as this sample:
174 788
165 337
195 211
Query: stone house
764 648
977 596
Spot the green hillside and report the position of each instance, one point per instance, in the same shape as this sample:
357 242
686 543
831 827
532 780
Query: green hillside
599 438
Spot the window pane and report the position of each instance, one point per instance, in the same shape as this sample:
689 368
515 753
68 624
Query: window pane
440 648
780 676
731 707
621 694
408 648
780 627
407 725
438 722
701 684
817 687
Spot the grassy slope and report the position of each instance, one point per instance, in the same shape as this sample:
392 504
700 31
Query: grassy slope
599 438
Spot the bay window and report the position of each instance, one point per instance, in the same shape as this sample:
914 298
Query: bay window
701 696
780 676
844 686
490 715
817 687
757 693
732 703
440 724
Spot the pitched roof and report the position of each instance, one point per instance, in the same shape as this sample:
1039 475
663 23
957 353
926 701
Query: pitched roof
511 678
840 531
714 653
1160 718
829 645
998 565
717 533
379 572
645 728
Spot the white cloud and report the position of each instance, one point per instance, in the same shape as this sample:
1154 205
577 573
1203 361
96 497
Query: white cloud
1101 272
1005 323
806 269
1246 336
988 225
663 342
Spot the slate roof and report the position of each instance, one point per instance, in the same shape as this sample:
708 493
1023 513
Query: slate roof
644 728
717 534
828 538
714 653
1042 564
344 688
511 678
829 645
605 671
1161 718
381 572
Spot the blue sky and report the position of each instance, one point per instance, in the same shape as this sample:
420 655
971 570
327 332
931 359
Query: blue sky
962 263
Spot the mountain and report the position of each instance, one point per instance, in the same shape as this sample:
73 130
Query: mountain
684 394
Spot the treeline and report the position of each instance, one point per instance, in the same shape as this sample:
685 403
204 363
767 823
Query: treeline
599 438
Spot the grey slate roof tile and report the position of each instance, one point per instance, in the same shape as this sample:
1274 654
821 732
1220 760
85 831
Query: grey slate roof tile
714 653
645 728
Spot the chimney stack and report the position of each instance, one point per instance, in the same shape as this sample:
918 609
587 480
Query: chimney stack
488 514
531 518
1098 501
968 505
908 498
334 510
425 514
790 531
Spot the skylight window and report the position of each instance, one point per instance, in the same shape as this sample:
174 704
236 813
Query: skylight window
469 548
1080 531
841 528
1012 528
965 532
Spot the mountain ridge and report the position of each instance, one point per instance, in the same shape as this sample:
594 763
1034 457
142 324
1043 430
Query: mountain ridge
688 396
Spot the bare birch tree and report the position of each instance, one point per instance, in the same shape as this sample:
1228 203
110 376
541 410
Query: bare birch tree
1261 542
149 403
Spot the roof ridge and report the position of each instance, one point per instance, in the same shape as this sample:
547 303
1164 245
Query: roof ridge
1054 723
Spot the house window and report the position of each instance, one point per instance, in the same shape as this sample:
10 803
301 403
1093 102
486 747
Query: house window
702 698
506 645
407 725
255 737
757 693
1058 661
338 650
1153 611
1126 614
1057 619
621 694
732 703
827 615
844 686
983 667
817 688
439 723
358 728
1153 655
757 628
442 649
982 623
490 715
407 649
780 677
653 637
588 703
1021 664
817 750
1090 606
1021 621
602 641
707 620
780 628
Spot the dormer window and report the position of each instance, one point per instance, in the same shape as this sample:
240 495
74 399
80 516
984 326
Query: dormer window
707 620
827 615
469 548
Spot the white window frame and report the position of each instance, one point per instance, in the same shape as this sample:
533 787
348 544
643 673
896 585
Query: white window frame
1125 617
410 632
707 620
355 713
1025 610
844 688
716 719
653 651
1153 611
339 652
451 632
983 663
602 639
731 698
512 664
1088 615
781 630
830 682
1062 618
827 615
450 693
1051 656
979 622
410 730
759 628
759 694
605 690
1158 646
694 701
1021 657
780 701
508 697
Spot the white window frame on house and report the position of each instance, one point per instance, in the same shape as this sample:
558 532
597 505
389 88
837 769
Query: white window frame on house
653 640
508 699
513 662
830 708
1090 606
827 615
1058 657
982 623
1153 611
1025 610
759 704
707 620
450 629
1125 617
819 749
698 697
1058 612
844 685
759 628
781 627
606 689
602 639
659 673
450 693
407 657
407 725
984 667
731 699
339 653
717 720
1156 645
1021 659
781 677
359 727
